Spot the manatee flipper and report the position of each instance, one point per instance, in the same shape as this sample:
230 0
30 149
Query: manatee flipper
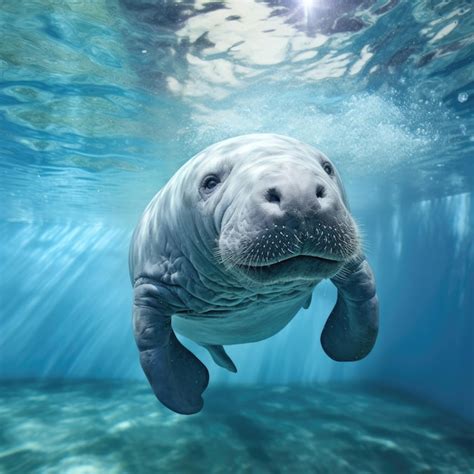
220 357
351 329
177 376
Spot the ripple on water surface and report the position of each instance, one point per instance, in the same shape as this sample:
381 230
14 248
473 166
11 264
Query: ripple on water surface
120 428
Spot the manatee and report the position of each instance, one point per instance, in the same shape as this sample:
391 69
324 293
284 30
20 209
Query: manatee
231 248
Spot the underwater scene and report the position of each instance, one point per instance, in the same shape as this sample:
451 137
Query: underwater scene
299 296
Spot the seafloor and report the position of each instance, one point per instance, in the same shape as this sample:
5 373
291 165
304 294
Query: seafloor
118 427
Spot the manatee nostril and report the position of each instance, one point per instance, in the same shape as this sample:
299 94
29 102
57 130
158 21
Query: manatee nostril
320 191
272 195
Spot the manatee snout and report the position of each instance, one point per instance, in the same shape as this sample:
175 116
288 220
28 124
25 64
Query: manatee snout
297 197
290 211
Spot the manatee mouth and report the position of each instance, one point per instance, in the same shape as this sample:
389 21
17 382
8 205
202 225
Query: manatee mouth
305 267
283 254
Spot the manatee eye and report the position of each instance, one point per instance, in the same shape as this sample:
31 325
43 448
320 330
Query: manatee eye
210 183
328 168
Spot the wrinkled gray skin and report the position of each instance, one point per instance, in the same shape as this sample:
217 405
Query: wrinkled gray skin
229 251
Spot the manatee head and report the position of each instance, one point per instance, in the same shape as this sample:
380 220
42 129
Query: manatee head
270 209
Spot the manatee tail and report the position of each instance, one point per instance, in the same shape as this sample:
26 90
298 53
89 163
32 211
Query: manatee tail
220 357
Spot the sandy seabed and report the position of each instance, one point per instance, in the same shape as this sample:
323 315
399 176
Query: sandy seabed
119 427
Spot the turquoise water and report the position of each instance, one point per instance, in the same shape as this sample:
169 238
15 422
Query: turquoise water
101 102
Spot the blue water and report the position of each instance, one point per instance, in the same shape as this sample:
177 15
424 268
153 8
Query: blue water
101 102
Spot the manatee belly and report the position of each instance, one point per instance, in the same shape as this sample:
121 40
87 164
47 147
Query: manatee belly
238 327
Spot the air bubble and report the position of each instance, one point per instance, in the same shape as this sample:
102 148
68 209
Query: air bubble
462 97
